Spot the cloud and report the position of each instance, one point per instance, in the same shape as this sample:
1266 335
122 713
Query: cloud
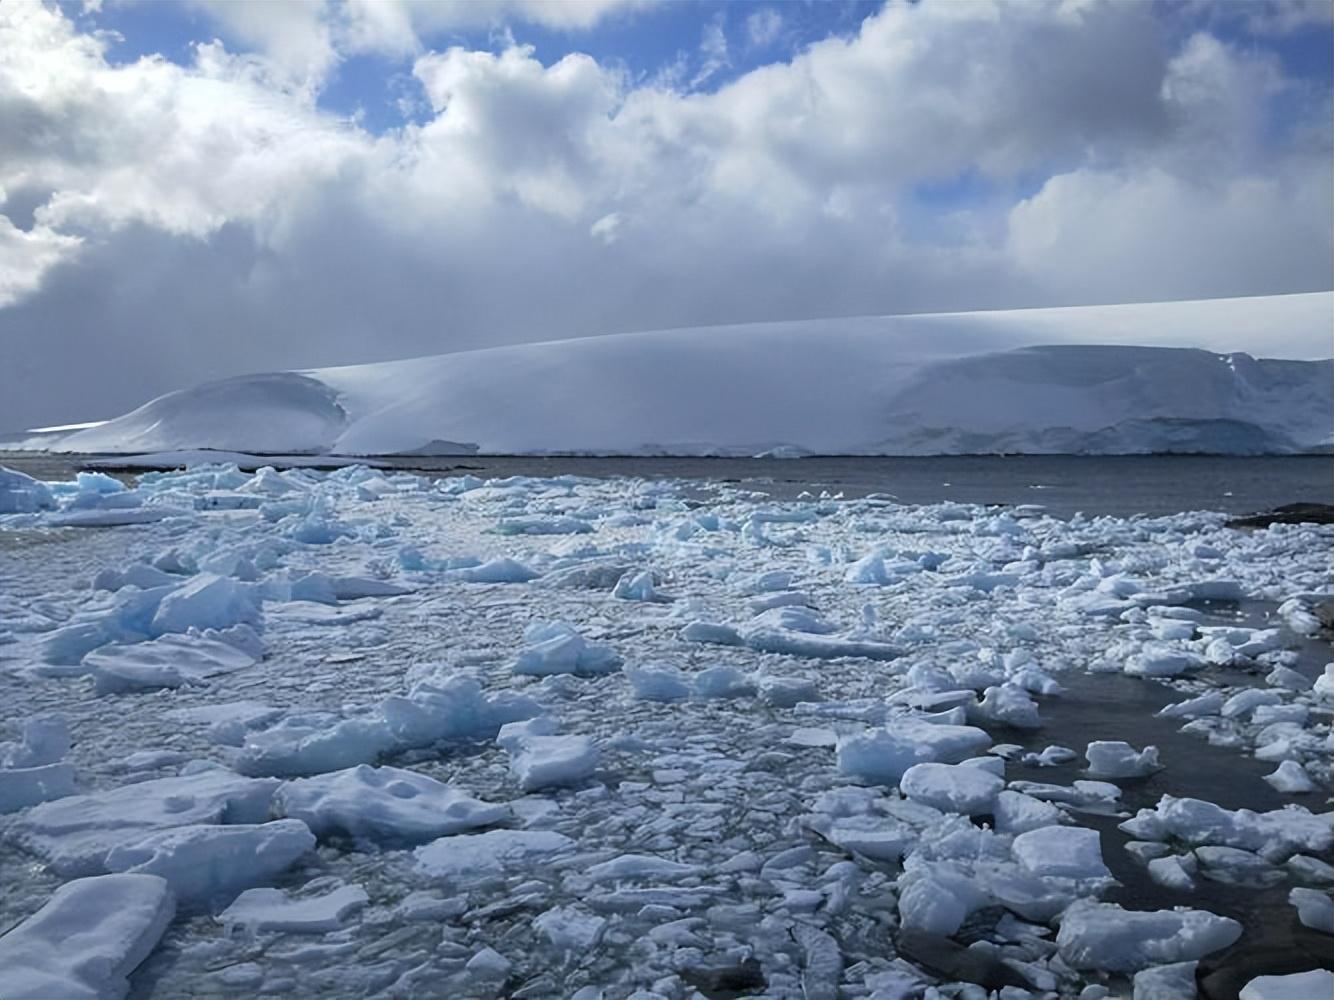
763 27
175 223
713 52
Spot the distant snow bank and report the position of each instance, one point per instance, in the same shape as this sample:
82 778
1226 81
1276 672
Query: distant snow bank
1065 380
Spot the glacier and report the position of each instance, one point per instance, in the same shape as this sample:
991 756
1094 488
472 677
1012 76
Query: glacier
1039 381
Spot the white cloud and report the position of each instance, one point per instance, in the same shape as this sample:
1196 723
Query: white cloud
209 219
763 27
713 52
26 256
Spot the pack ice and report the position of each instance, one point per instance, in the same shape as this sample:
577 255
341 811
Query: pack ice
369 733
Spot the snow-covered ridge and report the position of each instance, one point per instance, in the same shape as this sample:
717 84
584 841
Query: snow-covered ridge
1063 380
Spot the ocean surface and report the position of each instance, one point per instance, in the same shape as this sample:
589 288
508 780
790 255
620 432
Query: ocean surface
1119 485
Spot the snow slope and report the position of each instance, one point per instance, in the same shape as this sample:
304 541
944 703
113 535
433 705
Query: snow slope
1042 381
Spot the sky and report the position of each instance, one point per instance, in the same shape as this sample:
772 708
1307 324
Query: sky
205 188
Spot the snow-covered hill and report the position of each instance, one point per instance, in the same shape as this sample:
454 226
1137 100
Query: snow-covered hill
1042 381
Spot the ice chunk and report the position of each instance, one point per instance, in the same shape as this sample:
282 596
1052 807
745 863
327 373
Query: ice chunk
763 583
546 761
952 787
718 635
1166 982
1016 812
869 569
21 494
1115 759
1205 704
1318 984
937 901
141 575
21 787
352 588
876 837
1007 704
794 618
785 692
637 585
1063 851
468 856
205 861
883 755
45 741
640 866
74 834
207 601
658 682
1324 684
447 706
1197 822
386 805
170 661
1106 937
1245 702
825 647
1163 661
313 744
1292 778
559 649
273 910
1174 872
498 570
571 928
87 939
1315 909
723 681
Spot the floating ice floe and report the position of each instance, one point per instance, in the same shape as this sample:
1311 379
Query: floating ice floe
1116 759
385 805
1315 909
169 661
558 648
274 910
467 857
547 760
969 788
202 862
1107 937
31 770
1317 984
74 834
1195 822
87 939
884 755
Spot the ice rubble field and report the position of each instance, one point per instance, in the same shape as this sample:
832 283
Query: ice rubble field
356 734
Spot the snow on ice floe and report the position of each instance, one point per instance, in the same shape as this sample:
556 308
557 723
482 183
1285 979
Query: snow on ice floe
772 775
87 939
890 385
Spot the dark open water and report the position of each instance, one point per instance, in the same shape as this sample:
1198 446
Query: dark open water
1119 485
